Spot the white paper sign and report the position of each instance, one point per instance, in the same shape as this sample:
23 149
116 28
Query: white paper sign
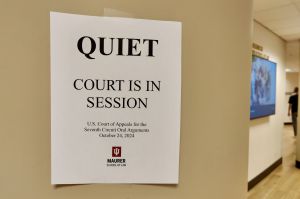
115 100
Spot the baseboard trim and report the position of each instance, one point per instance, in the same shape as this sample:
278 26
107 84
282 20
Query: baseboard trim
265 173
297 164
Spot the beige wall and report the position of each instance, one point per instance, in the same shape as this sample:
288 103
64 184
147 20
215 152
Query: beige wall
215 98
293 55
265 136
292 80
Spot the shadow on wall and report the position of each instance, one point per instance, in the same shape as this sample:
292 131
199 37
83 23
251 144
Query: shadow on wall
259 121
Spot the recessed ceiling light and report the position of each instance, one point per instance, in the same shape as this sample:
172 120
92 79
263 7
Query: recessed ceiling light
288 70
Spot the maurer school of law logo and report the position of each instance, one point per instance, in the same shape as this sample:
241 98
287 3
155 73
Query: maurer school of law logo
116 160
116 151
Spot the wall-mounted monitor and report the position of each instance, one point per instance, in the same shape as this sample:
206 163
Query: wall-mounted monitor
263 88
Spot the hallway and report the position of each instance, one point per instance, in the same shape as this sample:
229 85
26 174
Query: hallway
284 181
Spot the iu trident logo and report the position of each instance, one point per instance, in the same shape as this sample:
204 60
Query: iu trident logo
116 151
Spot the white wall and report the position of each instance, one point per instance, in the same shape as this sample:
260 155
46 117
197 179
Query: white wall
291 83
265 136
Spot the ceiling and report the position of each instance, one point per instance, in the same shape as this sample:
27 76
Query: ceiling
280 16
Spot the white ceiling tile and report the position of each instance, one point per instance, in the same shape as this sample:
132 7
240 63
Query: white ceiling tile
284 23
291 37
288 31
259 5
279 13
280 16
